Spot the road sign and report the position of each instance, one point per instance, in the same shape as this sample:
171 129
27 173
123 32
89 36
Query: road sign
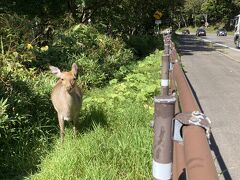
157 21
158 15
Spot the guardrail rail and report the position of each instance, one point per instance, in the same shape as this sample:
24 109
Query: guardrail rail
180 146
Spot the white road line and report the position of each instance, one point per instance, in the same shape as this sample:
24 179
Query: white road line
234 49
223 45
228 56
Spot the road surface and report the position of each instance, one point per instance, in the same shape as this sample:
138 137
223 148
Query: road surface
214 73
225 40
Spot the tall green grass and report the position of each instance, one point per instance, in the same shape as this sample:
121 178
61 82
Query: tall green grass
115 140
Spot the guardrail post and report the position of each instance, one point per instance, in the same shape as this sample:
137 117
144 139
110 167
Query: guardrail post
167 41
163 145
165 74
166 48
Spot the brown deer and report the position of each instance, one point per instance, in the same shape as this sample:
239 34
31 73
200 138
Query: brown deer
66 97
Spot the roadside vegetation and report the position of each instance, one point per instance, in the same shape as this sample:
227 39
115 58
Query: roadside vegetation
116 140
28 127
114 45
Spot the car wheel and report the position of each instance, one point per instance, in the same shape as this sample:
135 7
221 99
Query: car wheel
237 43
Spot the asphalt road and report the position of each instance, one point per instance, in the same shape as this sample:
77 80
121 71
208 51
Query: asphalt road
225 40
219 40
214 73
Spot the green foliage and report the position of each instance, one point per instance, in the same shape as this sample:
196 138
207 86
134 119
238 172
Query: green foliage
122 17
191 12
116 140
92 51
28 122
236 2
139 86
26 118
34 8
3 114
145 44
20 33
32 38
26 113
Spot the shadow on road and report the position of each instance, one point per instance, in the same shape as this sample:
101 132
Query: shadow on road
191 43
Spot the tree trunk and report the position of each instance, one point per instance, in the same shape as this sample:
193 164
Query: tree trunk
72 8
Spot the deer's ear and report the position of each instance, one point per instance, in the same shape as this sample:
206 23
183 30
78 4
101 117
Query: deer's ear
55 71
75 69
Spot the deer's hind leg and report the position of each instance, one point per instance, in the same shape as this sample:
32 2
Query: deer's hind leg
75 125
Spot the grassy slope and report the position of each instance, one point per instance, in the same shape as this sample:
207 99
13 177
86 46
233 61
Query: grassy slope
115 140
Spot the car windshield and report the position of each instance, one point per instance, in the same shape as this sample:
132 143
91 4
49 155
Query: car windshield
201 29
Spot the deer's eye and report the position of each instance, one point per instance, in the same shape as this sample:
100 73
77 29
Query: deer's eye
62 79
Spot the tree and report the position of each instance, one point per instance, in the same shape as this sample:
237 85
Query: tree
193 8
219 11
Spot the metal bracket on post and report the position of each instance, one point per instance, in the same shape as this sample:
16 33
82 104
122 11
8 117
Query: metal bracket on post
194 118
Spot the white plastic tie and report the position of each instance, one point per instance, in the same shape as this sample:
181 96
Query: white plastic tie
198 120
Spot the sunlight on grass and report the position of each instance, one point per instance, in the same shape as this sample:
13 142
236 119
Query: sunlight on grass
115 140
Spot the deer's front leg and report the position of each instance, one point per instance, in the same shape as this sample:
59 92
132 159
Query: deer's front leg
61 125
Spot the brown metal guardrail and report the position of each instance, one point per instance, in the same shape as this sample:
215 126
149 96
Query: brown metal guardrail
180 148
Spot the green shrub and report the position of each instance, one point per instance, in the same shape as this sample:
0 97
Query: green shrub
3 113
21 32
145 44
139 85
92 51
36 45
26 117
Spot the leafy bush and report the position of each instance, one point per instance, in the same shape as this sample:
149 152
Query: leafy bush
145 44
21 32
36 46
139 86
26 117
92 51
3 113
